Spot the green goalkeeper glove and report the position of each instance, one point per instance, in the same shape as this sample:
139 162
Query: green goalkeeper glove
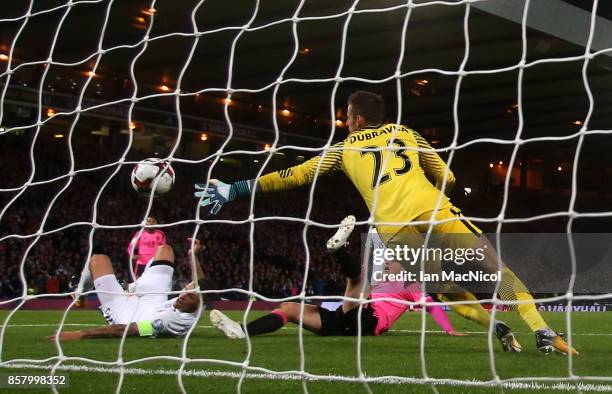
217 193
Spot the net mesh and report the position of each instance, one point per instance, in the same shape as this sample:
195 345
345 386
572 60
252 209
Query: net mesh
62 362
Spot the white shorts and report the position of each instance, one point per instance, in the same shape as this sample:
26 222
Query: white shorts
122 307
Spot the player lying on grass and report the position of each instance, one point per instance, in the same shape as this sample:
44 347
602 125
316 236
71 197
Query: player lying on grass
390 164
450 292
146 310
376 317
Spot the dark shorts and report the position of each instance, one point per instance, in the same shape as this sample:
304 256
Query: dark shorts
337 323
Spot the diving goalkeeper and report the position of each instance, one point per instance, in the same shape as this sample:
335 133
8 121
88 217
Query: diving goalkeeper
389 164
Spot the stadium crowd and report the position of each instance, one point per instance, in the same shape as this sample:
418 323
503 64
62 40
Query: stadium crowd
53 258
279 253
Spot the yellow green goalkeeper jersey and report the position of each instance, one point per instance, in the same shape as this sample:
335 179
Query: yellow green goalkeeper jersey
375 163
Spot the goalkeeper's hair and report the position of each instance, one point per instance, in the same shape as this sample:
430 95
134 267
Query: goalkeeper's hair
369 105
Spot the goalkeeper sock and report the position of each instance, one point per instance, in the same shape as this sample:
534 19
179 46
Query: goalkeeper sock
351 267
268 323
513 289
473 312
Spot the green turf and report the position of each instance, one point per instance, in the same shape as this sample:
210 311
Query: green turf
395 353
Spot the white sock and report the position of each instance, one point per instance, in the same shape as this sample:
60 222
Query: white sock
86 283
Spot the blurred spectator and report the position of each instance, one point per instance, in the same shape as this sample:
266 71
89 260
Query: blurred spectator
276 255
52 285
144 244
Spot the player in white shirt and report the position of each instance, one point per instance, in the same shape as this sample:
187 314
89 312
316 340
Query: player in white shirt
145 309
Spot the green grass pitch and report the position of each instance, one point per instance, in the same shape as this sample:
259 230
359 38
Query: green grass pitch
395 353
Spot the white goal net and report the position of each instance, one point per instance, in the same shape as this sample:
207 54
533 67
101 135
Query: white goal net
513 94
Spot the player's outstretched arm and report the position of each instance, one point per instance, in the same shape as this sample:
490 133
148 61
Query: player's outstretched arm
437 312
217 193
110 331
441 318
195 252
203 281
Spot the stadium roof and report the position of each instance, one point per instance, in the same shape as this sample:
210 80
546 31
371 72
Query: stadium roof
554 96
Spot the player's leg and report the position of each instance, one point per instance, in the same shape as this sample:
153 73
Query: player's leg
100 265
462 232
350 265
157 276
345 320
110 293
290 312
476 313
511 287
412 236
353 290
450 291
164 253
273 321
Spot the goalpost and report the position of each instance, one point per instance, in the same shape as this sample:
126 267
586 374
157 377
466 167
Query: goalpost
75 114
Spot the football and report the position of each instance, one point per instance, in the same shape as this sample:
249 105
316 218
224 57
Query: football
152 174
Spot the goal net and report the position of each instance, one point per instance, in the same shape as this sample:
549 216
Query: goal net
512 94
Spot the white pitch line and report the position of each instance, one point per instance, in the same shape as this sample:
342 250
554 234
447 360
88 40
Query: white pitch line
564 386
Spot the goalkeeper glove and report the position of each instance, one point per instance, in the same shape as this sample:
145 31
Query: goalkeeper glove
218 193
